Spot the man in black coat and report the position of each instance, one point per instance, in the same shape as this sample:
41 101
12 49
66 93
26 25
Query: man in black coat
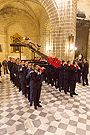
10 64
22 76
61 71
85 72
79 70
25 81
67 77
16 74
13 72
73 79
36 85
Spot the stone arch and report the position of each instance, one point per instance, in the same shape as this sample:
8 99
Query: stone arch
11 23
46 24
23 3
49 6
6 28
51 10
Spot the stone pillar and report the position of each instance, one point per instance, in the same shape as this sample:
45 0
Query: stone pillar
65 28
3 45
55 41
43 43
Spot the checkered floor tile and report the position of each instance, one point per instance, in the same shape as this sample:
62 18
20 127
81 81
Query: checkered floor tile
60 114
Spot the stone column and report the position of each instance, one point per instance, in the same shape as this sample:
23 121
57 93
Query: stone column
66 27
43 43
60 29
55 41
3 45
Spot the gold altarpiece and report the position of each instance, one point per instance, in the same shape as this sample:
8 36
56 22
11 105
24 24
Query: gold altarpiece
14 39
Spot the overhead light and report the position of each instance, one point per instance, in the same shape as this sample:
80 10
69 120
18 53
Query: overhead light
71 41
75 48
71 46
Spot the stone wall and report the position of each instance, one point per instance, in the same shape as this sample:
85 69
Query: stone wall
16 21
85 6
82 41
66 27
48 22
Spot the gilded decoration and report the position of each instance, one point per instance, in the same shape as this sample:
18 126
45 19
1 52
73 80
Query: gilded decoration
14 39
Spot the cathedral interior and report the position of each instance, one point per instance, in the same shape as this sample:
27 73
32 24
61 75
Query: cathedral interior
62 28
49 23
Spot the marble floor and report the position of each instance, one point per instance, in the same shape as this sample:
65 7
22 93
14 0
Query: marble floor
60 114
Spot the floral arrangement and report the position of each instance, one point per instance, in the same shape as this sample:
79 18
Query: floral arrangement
54 61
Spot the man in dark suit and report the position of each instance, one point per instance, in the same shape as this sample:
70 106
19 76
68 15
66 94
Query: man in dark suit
85 72
13 72
36 85
21 73
30 81
79 70
61 71
16 74
67 77
25 71
73 79
10 65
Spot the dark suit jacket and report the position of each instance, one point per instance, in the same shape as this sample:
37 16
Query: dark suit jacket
85 68
68 72
13 68
36 84
80 65
73 74
10 64
61 71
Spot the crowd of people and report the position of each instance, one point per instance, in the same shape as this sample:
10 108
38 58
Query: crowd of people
28 76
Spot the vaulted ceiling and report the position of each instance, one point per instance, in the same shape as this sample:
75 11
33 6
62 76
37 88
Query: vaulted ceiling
85 6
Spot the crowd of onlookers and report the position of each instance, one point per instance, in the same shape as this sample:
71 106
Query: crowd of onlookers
28 76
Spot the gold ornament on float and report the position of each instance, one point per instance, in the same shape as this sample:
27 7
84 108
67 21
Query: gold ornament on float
14 39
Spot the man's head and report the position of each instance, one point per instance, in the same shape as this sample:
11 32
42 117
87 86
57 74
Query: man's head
75 62
14 60
29 65
32 65
5 59
10 58
26 63
80 60
63 61
36 67
76 57
22 63
17 58
35 58
17 61
68 62
84 60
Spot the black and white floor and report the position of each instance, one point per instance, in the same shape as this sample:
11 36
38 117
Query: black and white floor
60 114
